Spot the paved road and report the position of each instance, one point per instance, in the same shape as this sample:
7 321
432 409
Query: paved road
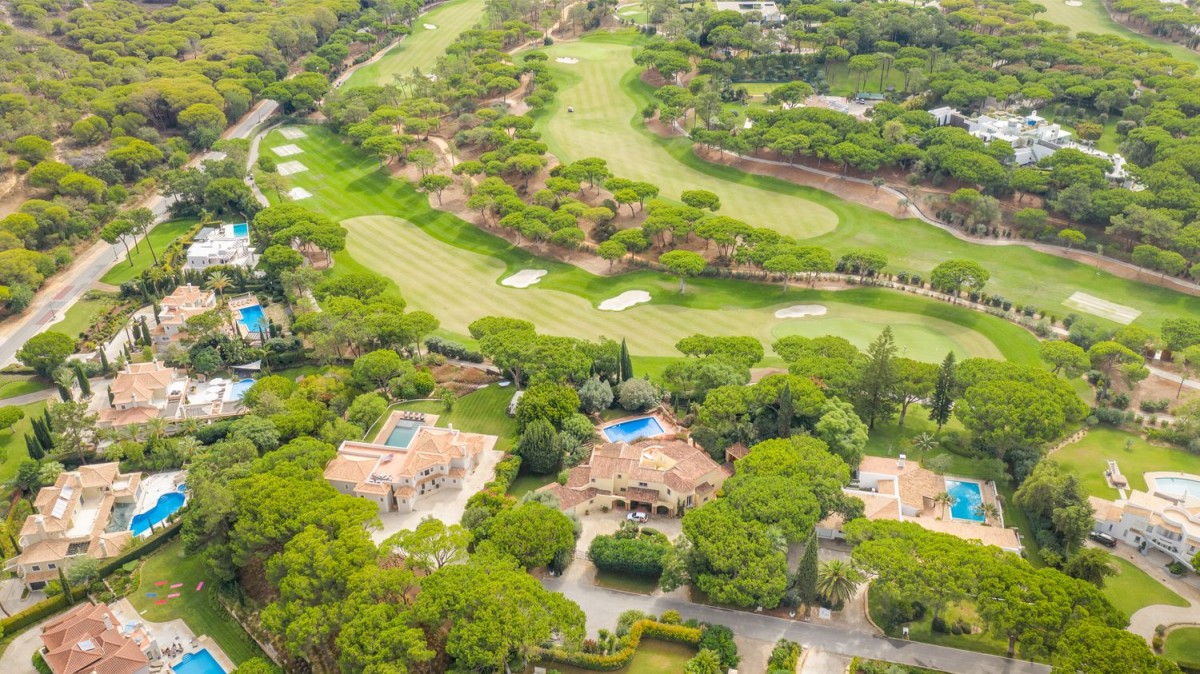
63 289
602 607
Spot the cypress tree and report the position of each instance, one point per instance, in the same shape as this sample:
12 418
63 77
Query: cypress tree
626 362
878 379
36 452
157 310
85 387
104 366
66 587
942 401
806 573
48 420
786 411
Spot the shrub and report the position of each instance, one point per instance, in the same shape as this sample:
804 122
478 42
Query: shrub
719 639
641 556
454 350
39 663
1110 416
784 656
637 395
1155 405
607 663
939 625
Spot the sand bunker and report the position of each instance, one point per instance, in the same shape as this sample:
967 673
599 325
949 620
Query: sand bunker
287 168
297 193
1102 308
291 133
286 150
800 311
524 278
625 300
430 26
1074 3
567 60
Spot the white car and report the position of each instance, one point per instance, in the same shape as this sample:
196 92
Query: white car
637 516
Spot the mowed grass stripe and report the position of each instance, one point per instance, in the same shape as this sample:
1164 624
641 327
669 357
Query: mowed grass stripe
463 284
600 126
1018 273
423 47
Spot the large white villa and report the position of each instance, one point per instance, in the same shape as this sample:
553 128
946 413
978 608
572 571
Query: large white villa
1167 517
218 246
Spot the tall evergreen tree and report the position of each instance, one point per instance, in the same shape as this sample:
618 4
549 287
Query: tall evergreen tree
35 449
626 362
876 399
942 401
48 421
104 366
806 573
85 387
787 409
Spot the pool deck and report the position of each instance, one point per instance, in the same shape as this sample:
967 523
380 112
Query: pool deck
173 632
154 486
669 428
395 418
1153 478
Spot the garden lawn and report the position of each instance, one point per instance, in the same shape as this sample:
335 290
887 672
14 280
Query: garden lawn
1183 645
160 237
922 630
417 254
79 317
483 411
1092 17
652 657
12 442
1132 589
13 385
1088 459
197 609
612 82
422 47
526 483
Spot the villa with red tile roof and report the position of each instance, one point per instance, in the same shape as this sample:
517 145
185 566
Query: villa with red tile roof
145 391
407 460
662 476
71 522
89 639
175 309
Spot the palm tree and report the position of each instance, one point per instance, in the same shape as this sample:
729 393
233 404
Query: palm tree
944 499
924 442
218 282
64 379
988 511
837 581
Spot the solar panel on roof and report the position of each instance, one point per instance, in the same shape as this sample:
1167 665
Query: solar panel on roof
60 508
86 645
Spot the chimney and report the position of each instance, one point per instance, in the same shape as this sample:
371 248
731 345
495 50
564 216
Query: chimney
41 523
900 462
107 622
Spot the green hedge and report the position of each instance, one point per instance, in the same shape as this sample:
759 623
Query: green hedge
39 663
641 556
608 663
43 609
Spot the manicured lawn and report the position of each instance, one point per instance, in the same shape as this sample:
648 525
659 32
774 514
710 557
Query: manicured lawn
922 630
423 46
1088 459
13 385
652 657
482 411
415 253
12 442
160 237
79 317
1092 17
197 609
1132 589
527 483
607 81
1184 645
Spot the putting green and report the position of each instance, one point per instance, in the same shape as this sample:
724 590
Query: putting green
1019 274
452 268
459 286
424 46
602 126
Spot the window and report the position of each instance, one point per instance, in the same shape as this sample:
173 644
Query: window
643 484
35 567
51 566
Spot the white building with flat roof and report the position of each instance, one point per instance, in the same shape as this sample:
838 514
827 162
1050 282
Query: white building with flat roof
227 245
769 10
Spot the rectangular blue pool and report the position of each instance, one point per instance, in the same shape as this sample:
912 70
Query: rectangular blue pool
633 429
967 499
252 319
402 434
241 231
200 662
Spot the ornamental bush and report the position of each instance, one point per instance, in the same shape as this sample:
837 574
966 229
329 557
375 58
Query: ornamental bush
639 556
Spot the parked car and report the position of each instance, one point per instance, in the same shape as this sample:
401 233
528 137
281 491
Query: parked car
1103 539
638 516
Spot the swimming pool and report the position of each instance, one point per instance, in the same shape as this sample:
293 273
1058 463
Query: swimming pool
242 230
166 506
633 429
1177 486
200 662
252 318
238 391
967 498
402 434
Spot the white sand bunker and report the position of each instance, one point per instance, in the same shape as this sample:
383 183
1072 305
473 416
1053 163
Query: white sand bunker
1103 308
430 26
287 168
625 300
800 311
297 193
292 133
567 60
1074 3
286 150
524 278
